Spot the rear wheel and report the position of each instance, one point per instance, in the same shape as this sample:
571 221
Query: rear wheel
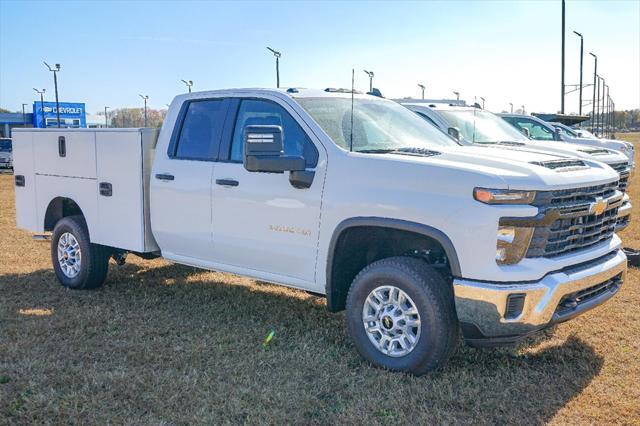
401 315
77 262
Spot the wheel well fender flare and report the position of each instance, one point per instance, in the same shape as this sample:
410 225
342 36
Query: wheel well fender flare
396 224
58 208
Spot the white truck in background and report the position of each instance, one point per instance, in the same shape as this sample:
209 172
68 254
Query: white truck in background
346 195
473 125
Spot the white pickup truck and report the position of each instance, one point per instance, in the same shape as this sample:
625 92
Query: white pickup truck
472 125
349 196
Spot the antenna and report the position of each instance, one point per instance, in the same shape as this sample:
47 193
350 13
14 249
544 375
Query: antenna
353 73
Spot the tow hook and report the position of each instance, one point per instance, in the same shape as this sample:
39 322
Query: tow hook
119 258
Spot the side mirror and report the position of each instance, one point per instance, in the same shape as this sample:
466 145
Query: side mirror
264 151
454 132
526 132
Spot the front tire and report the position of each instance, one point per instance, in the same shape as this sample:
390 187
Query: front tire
401 315
78 264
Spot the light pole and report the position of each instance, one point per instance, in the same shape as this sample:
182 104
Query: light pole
106 117
581 59
24 117
608 127
41 93
189 83
145 97
511 107
422 87
523 111
601 104
55 70
613 113
370 74
593 104
277 55
482 101
597 88
457 95
562 66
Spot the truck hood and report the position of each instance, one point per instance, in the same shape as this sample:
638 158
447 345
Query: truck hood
515 169
595 153
621 146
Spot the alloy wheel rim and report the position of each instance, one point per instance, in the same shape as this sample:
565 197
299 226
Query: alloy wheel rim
391 321
69 255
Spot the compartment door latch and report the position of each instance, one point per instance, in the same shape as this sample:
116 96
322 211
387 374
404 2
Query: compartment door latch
62 146
106 190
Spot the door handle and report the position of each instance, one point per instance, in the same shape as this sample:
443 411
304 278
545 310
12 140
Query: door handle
227 182
164 176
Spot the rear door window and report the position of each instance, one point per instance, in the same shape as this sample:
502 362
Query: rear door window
201 130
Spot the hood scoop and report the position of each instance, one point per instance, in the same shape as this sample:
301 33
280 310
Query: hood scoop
418 152
595 151
562 165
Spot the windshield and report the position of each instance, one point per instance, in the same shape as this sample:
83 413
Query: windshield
5 145
586 134
565 129
378 125
479 126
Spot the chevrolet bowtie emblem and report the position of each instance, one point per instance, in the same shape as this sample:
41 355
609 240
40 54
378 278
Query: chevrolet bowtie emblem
599 206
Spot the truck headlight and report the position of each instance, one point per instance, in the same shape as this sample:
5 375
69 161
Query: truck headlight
503 196
512 244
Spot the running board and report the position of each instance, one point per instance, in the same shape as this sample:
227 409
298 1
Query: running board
41 237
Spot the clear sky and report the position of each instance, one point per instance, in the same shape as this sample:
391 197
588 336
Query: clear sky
505 51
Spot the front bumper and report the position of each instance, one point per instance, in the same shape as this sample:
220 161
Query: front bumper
486 310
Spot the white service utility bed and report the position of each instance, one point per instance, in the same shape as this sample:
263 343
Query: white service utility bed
104 171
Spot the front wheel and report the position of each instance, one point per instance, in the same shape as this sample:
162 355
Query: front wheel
401 315
77 262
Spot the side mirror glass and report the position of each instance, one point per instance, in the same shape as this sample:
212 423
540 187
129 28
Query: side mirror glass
264 151
454 132
526 132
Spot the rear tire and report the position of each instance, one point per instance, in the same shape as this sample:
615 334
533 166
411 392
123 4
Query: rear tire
78 264
401 315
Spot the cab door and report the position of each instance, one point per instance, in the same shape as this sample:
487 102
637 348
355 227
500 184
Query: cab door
261 222
181 182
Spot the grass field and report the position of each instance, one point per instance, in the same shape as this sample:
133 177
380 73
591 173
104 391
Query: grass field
167 344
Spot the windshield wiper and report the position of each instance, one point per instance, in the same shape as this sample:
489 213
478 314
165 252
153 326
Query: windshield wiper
377 151
408 150
513 143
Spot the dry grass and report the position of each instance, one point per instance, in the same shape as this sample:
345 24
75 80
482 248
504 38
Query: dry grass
167 344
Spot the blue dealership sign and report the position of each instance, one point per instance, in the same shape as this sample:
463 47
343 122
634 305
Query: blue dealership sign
72 114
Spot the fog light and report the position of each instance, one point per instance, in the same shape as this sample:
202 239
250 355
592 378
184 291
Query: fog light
512 244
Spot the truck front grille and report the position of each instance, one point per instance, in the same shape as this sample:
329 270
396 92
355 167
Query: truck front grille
624 171
580 225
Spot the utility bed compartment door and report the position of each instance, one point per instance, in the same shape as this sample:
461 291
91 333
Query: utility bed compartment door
23 170
65 153
119 189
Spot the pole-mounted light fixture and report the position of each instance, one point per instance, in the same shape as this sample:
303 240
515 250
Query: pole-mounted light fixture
422 87
189 84
55 69
581 61
277 55
370 74
146 98
41 93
